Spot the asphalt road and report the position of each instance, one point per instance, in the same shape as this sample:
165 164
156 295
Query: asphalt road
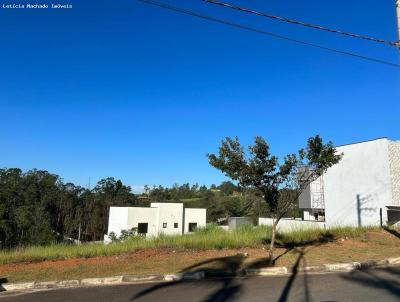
381 285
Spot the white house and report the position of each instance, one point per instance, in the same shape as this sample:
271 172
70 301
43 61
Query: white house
363 189
166 218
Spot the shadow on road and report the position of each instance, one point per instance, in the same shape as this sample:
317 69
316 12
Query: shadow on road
295 270
232 266
2 281
385 278
226 267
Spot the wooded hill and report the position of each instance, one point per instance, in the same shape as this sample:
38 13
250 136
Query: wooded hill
37 207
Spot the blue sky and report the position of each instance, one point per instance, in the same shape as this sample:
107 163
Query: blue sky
132 91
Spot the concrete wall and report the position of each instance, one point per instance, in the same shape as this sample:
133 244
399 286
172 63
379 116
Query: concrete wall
224 227
394 162
305 198
359 185
194 215
169 213
117 220
287 225
144 215
236 222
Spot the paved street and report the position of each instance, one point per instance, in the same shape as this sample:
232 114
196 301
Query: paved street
369 285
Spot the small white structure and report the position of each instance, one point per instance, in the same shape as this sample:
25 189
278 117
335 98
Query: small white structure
166 218
236 222
363 189
288 224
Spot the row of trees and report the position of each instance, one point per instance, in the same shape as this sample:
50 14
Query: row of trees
222 201
36 207
187 191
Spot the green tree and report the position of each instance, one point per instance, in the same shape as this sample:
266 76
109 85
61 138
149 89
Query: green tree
227 187
279 183
36 207
108 192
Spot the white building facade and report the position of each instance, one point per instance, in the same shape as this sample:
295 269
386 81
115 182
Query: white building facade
363 189
165 218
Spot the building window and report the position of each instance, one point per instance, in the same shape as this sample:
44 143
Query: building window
192 226
176 225
164 225
143 228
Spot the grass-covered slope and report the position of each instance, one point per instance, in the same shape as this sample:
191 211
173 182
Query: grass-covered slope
207 238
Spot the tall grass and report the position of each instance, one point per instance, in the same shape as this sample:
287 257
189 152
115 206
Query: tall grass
210 237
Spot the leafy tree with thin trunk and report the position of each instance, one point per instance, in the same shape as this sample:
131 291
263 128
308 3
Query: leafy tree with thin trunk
280 183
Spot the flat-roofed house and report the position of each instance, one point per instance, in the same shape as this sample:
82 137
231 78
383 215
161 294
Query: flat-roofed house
165 218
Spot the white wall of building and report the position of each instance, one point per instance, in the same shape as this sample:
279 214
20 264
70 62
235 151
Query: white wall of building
305 198
359 186
288 225
394 163
166 218
194 216
168 215
117 220
144 215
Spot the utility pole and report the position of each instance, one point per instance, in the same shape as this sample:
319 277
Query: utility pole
79 234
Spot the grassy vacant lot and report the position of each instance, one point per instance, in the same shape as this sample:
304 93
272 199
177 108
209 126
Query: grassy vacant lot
211 237
209 248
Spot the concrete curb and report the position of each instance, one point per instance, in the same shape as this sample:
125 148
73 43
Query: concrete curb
269 271
342 267
18 286
142 279
185 276
131 279
393 260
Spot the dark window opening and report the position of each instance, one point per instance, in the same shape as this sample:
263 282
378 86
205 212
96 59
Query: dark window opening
192 226
143 228
164 225
175 225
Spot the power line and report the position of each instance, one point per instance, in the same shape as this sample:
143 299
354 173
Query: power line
225 22
283 19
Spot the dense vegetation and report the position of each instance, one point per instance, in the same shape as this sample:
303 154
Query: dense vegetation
37 207
221 202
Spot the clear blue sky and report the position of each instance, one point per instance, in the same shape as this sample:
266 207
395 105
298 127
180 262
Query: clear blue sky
124 89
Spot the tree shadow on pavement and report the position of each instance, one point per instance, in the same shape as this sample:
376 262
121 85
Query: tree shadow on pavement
295 270
384 278
223 268
301 250
2 281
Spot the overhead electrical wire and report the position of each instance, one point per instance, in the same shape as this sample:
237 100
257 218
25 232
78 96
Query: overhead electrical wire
287 20
278 36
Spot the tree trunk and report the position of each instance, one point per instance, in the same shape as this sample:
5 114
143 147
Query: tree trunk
272 244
